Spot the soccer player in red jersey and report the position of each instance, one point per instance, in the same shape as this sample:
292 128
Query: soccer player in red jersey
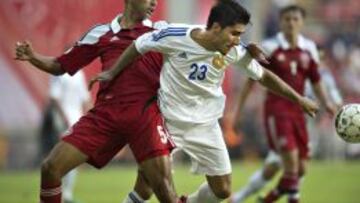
124 113
294 59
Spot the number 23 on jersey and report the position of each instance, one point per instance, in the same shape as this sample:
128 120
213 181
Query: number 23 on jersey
197 72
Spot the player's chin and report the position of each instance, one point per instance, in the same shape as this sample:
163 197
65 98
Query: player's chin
225 51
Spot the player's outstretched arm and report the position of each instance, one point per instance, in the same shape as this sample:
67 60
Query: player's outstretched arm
278 86
25 52
129 55
320 93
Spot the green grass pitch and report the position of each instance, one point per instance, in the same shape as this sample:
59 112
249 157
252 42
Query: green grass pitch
326 182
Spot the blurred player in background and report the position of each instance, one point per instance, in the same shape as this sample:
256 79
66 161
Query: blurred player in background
293 58
124 112
191 97
272 163
70 98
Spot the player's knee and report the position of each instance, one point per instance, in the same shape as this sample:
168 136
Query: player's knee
270 171
222 191
50 168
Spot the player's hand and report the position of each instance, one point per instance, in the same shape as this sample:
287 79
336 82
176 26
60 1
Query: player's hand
101 77
309 106
257 53
24 51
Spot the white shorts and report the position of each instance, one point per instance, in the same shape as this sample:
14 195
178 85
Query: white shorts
205 145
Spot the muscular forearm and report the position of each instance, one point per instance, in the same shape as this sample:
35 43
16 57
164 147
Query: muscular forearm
320 92
47 64
278 86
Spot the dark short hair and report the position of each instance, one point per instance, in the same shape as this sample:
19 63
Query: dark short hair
292 8
228 13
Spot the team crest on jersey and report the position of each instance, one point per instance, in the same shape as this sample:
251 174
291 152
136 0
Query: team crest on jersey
304 60
281 57
219 61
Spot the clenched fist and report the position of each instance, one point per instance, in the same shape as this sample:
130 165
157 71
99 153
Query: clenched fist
257 53
24 51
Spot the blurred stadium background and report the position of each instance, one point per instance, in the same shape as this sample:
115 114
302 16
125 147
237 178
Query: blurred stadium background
53 25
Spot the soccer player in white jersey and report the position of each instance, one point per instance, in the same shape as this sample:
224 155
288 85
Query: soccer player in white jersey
71 99
191 98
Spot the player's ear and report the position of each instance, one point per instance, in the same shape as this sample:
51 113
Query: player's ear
216 27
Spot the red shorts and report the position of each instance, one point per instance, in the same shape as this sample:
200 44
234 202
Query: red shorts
106 129
286 133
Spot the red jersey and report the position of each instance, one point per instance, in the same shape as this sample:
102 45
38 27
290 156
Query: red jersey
108 41
293 66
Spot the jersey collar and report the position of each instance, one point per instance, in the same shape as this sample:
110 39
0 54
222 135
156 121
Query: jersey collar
116 27
285 44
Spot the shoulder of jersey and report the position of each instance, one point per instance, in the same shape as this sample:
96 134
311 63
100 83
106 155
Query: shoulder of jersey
162 24
270 45
310 46
94 34
171 30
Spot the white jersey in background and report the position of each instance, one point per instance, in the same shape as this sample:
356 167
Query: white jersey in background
191 76
71 93
330 86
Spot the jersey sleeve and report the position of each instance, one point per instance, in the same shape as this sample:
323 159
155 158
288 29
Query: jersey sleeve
84 51
162 41
247 64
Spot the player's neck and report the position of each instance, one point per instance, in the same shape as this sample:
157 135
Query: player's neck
129 20
292 39
203 38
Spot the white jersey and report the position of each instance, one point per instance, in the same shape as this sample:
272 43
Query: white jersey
191 76
71 93
330 86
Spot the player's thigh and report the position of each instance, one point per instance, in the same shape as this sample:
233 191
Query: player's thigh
156 169
64 157
205 145
302 139
149 137
96 135
290 160
280 132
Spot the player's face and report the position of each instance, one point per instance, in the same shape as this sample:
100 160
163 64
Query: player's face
142 8
291 22
229 37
